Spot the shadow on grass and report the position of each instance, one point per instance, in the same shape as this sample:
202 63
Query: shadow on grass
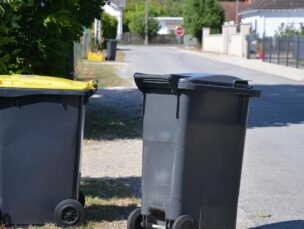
110 199
294 224
114 114
109 213
108 188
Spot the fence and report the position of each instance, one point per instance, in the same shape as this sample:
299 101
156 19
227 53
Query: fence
81 50
168 39
287 51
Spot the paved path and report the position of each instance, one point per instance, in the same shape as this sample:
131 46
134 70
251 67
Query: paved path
273 171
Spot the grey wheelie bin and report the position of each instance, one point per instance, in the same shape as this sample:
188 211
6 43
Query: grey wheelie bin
41 132
193 139
111 49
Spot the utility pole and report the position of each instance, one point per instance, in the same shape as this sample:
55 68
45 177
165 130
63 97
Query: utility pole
146 23
237 12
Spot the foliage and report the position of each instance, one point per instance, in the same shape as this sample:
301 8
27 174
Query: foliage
8 22
287 30
109 26
137 22
36 36
170 8
202 13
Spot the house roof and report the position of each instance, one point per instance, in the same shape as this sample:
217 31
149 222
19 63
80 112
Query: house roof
274 5
119 3
230 9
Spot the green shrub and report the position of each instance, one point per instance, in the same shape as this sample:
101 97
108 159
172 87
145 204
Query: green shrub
136 20
109 26
36 36
202 13
286 30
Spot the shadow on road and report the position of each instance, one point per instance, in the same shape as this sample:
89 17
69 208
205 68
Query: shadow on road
280 105
295 224
115 113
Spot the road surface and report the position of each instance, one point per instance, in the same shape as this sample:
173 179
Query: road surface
272 186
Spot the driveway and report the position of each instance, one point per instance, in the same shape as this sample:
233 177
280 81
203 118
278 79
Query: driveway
272 185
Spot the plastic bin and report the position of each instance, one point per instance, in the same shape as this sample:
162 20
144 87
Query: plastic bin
111 49
193 139
41 134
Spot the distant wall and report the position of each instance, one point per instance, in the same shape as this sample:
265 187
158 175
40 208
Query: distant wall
229 42
234 47
213 43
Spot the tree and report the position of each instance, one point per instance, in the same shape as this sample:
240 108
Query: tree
39 34
109 26
287 30
8 22
302 29
137 23
202 13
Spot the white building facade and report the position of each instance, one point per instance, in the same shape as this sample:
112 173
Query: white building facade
168 24
265 17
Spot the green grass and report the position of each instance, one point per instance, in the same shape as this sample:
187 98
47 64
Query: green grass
104 73
120 56
108 204
108 201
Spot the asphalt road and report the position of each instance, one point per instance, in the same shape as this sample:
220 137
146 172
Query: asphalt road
272 185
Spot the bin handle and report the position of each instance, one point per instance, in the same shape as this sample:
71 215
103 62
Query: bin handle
241 84
93 84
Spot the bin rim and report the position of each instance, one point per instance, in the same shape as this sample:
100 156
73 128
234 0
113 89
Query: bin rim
205 81
36 82
175 83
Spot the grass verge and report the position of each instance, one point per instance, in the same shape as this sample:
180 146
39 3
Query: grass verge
104 73
108 204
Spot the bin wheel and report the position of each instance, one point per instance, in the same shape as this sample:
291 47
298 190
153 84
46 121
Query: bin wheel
69 213
184 222
6 220
135 219
81 198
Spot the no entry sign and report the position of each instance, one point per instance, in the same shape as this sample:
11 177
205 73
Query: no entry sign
179 31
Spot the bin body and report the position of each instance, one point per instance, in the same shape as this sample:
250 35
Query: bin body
111 49
40 139
193 149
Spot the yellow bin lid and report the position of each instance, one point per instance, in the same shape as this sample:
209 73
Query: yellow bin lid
45 82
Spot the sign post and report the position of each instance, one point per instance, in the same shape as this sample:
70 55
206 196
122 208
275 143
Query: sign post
179 32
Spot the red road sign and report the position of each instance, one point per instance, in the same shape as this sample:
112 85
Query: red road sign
179 31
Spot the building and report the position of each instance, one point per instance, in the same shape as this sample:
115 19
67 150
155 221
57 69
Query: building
115 8
168 24
266 16
231 8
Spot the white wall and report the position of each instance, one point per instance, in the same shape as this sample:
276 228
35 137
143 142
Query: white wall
229 42
235 47
214 43
268 21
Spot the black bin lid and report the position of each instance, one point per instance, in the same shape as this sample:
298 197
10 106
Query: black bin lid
203 81
193 81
